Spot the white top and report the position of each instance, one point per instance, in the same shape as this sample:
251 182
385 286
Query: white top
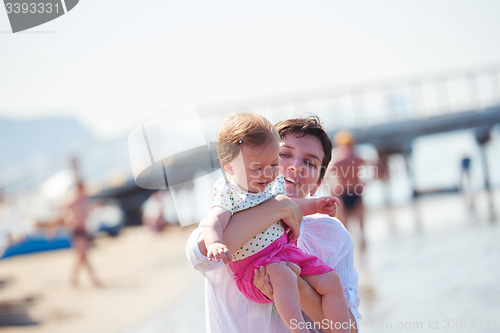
228 311
233 198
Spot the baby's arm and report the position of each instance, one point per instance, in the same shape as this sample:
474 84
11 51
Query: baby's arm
323 205
216 223
250 222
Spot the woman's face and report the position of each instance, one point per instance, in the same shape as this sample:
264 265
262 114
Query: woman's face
300 164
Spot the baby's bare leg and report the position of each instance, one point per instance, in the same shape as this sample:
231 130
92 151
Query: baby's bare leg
286 296
310 300
294 267
333 300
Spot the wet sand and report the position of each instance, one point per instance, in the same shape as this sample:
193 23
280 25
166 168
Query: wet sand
438 273
143 273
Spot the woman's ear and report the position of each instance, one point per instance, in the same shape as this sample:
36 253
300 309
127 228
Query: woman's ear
315 188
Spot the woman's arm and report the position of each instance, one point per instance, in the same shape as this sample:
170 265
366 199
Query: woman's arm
250 222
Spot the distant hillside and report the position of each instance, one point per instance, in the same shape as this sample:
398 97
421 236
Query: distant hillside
22 141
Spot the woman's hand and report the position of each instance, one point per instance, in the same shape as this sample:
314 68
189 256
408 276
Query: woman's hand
262 282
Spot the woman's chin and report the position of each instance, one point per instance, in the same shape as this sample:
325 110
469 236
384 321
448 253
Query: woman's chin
293 192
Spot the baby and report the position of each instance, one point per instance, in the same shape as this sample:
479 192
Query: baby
248 150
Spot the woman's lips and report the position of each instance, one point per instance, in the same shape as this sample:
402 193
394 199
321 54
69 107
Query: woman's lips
292 187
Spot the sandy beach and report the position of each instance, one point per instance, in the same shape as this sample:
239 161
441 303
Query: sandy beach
143 274
428 273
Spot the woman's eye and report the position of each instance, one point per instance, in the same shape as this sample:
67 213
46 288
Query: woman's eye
274 165
309 163
284 155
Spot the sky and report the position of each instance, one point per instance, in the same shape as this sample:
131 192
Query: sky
117 63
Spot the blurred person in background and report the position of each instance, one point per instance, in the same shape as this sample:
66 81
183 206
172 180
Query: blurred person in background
465 181
343 176
152 215
77 212
74 216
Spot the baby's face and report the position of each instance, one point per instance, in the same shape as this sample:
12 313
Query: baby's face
254 168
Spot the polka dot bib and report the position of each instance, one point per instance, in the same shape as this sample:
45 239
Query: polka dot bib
230 196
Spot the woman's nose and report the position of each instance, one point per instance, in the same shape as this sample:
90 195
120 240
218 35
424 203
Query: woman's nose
295 165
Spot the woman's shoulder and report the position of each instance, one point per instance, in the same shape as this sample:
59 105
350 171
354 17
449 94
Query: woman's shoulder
324 224
324 219
325 237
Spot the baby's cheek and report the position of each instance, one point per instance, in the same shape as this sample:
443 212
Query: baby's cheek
252 181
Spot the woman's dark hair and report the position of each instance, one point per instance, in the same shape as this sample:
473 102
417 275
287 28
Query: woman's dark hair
311 125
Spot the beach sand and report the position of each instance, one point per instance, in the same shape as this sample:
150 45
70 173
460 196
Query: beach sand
423 273
143 274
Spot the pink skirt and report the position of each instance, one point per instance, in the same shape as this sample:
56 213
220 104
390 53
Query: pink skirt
282 249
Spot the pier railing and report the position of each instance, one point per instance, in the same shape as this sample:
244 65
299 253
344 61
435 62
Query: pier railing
356 106
381 102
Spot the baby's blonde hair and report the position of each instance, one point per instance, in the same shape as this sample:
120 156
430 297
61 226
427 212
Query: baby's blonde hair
243 129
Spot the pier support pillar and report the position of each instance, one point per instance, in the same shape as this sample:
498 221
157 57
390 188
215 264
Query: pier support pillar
482 138
415 201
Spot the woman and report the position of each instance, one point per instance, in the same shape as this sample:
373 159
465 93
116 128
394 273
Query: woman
305 151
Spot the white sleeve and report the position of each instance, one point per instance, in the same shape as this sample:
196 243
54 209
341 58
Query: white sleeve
329 240
195 257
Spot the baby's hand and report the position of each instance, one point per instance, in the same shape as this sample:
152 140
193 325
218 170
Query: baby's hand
219 251
327 205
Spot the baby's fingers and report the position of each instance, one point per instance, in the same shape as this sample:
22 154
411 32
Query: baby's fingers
225 255
216 255
331 210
